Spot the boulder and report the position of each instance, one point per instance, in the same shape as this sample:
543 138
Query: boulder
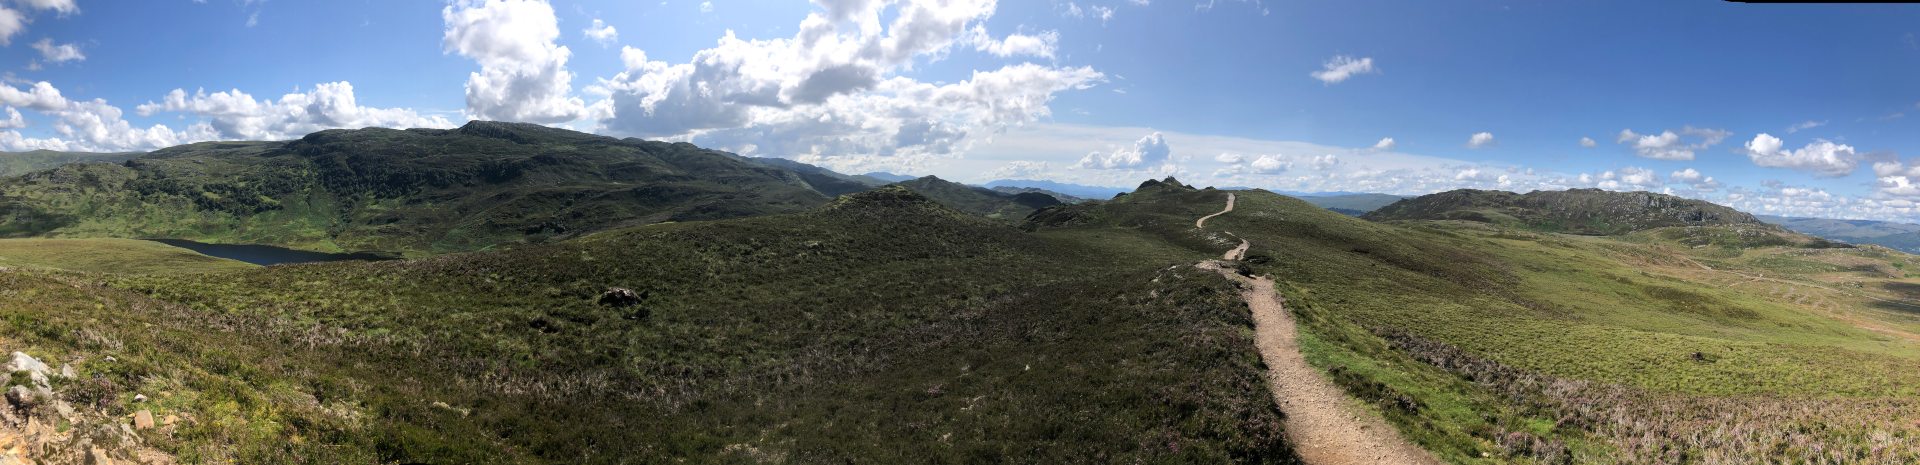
143 419
32 366
22 398
620 297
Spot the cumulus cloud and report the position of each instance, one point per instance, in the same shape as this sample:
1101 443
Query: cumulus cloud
237 115
1693 178
1340 68
13 21
1269 164
1229 158
1629 178
1897 178
1148 151
601 32
523 74
1822 157
14 120
87 125
1324 162
58 53
1668 145
1385 144
1039 45
831 93
1480 139
1588 142
94 125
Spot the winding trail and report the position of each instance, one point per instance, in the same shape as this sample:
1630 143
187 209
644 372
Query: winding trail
1202 222
1325 426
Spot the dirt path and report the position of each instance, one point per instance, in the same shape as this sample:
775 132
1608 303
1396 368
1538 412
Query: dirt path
1202 222
1325 426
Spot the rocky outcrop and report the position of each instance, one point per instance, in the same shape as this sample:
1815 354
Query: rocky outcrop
40 426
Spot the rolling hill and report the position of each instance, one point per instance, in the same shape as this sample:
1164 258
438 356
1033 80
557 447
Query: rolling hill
1575 211
925 321
415 191
881 327
981 201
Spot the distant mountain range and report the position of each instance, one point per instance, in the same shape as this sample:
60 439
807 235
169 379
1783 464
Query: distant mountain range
1076 190
1347 203
1899 236
17 163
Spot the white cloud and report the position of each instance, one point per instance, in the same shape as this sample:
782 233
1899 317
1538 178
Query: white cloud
1021 169
706 7
1588 142
1668 145
87 125
1629 178
1480 139
1149 150
236 115
12 22
1897 178
601 32
1229 158
58 53
1041 45
1822 157
1324 162
1385 143
1269 164
63 7
1694 179
95 125
1341 67
523 74
14 120
1805 125
830 94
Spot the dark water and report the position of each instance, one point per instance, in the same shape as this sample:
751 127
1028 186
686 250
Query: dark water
266 254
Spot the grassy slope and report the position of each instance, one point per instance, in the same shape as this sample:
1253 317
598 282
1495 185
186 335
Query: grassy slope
126 256
1487 345
979 200
416 191
878 330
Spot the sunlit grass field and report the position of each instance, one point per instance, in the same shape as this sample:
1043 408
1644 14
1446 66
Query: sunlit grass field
123 256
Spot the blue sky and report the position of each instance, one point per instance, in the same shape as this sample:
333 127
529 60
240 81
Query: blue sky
1794 109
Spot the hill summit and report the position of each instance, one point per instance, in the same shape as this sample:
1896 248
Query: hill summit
1575 211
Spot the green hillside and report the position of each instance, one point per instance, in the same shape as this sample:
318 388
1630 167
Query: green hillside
981 201
879 328
415 191
1575 211
1488 345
